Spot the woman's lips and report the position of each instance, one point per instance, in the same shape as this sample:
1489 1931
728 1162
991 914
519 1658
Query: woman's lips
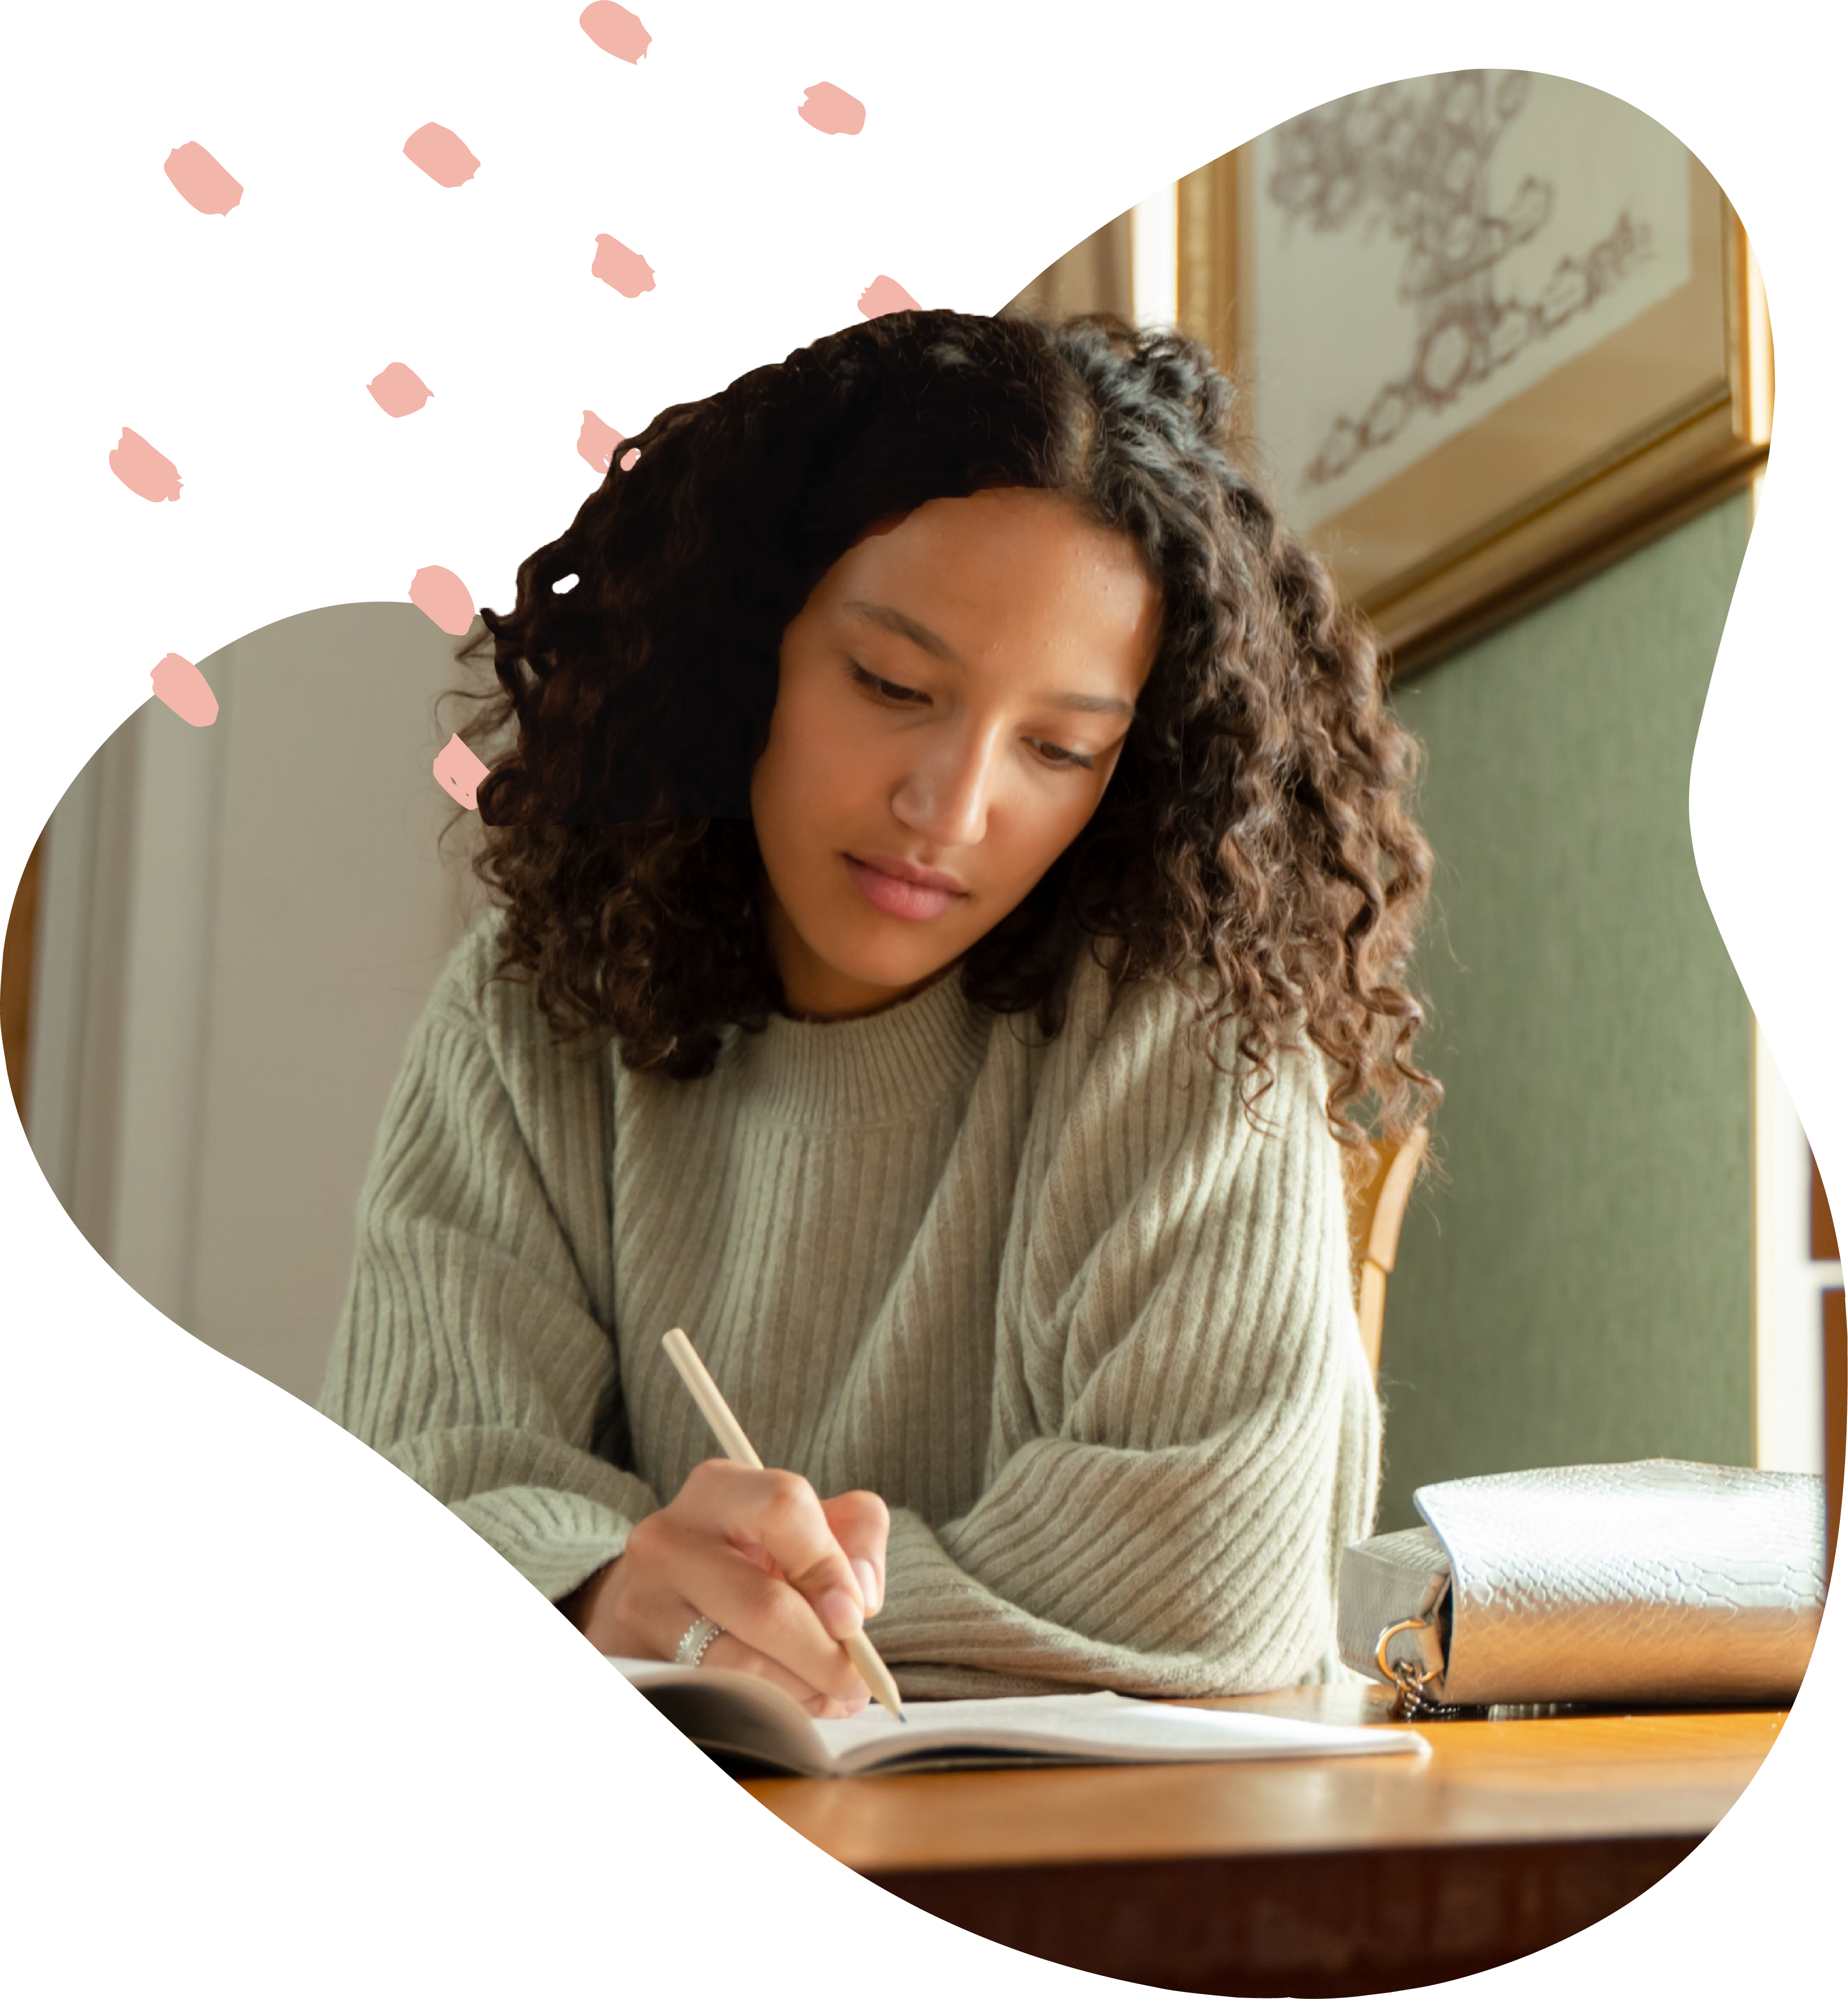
899 898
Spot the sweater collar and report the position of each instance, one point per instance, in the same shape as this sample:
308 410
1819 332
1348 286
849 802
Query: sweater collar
875 1069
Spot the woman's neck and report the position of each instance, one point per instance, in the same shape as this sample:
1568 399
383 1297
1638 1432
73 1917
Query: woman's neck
815 991
887 1000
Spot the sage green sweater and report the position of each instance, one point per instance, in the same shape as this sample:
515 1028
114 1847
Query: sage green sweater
1089 1334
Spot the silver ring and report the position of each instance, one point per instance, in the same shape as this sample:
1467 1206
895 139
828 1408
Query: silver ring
698 1636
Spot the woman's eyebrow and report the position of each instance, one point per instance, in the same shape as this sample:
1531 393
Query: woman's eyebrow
926 640
920 636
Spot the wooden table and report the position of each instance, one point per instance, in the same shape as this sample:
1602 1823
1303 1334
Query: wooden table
1333 1876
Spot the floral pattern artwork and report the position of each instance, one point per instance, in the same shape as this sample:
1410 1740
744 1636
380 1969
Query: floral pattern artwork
1414 158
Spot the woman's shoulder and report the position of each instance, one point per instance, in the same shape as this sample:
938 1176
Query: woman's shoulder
468 990
1135 1118
1158 1027
480 995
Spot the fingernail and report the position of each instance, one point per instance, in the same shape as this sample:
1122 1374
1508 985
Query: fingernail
869 1584
839 1614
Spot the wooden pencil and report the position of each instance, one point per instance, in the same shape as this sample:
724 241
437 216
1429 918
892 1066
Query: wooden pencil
737 1447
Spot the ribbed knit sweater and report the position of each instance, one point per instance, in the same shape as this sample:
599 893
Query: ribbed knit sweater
1088 1332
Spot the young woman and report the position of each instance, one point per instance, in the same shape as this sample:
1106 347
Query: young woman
954 888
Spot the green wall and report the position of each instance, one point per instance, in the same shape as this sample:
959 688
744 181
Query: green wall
1577 1287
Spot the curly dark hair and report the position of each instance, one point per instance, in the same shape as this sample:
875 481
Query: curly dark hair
1255 830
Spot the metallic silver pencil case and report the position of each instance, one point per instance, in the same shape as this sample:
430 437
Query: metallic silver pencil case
1657 1582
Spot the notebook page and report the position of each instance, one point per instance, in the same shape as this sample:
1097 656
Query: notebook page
1105 1727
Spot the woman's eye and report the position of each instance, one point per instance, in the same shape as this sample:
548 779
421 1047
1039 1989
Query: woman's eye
884 690
890 692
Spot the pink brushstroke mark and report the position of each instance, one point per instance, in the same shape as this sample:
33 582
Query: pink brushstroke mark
459 769
596 442
398 391
627 461
886 295
615 30
182 687
443 598
619 266
440 154
829 108
142 468
202 181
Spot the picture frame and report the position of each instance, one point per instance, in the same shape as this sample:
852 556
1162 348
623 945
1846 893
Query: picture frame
1660 410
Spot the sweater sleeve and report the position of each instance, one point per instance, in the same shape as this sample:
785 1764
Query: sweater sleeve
1184 1431
476 1347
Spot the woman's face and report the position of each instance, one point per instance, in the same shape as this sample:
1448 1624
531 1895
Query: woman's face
951 702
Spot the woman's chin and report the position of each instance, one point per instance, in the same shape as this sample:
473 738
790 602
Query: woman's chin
881 950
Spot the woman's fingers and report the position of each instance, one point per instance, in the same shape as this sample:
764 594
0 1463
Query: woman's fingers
699 1567
786 1578
766 1613
673 1579
779 1512
860 1522
733 1654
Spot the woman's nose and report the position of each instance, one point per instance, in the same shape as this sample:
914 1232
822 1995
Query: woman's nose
945 795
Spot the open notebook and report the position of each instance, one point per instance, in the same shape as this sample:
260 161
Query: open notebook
736 1714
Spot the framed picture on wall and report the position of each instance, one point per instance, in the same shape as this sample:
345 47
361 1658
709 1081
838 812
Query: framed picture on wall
1494 329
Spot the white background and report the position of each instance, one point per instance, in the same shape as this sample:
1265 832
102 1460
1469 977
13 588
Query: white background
276 1720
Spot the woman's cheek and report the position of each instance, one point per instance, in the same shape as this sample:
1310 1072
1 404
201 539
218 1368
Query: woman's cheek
830 746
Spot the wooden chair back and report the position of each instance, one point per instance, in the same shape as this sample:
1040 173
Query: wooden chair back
1375 1210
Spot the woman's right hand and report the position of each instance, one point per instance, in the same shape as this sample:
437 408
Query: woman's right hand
785 1575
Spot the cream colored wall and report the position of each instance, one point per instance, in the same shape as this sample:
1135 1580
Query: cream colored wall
261 909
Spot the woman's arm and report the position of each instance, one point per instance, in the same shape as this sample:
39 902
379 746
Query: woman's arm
1184 1432
476 1347
476 1352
